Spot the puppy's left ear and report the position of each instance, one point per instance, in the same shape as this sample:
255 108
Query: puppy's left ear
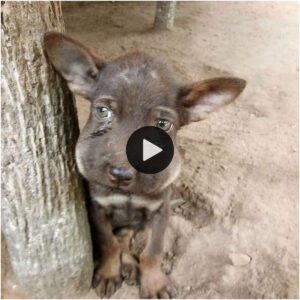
201 98
77 64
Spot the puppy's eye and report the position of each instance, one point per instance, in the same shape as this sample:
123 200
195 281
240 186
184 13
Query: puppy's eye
164 124
104 112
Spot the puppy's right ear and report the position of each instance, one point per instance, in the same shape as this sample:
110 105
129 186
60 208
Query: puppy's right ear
74 62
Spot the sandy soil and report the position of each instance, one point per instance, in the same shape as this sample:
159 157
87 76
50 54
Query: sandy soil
235 232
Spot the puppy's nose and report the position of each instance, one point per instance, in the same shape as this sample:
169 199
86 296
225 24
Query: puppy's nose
120 174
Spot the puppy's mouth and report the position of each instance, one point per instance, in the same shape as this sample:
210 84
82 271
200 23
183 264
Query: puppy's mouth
114 182
124 185
131 187
117 190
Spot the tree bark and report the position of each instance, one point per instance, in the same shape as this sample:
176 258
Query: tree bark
44 218
165 14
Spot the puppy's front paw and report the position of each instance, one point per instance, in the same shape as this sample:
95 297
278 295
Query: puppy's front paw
107 279
155 285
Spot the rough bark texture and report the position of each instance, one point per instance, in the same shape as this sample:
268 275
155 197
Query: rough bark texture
165 14
43 213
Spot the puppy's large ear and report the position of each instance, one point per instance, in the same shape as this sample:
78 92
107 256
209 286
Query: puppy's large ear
74 62
201 98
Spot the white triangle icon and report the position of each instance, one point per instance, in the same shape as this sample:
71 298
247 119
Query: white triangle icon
149 150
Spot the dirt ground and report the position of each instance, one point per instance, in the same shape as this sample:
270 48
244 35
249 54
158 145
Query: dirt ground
234 230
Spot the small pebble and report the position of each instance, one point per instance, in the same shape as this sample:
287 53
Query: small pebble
239 259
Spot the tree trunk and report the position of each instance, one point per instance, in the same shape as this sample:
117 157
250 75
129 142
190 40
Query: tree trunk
44 218
165 14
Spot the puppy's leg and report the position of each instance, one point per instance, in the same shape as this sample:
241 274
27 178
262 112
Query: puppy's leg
154 283
107 275
129 268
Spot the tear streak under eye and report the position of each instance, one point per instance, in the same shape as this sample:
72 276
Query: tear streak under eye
99 132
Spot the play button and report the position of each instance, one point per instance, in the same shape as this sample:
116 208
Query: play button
149 150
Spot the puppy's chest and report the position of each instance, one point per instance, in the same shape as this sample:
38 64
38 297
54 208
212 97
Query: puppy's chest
128 210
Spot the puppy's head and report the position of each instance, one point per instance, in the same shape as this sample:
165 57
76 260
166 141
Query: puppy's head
125 94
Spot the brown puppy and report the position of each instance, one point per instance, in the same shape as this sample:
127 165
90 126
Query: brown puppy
125 94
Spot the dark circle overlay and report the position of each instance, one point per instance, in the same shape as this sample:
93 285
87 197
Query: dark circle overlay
157 163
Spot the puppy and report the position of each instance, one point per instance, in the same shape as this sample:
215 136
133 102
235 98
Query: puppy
127 93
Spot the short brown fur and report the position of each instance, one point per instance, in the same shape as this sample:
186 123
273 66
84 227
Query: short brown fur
125 94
